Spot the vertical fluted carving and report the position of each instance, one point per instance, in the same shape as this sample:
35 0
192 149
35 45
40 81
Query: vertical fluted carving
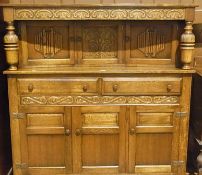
187 46
11 46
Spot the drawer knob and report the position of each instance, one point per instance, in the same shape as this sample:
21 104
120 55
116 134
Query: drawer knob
115 87
85 88
78 132
30 87
169 87
132 131
67 132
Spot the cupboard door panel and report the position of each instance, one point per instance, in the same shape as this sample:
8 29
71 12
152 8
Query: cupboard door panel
99 43
153 139
151 43
98 139
47 43
46 141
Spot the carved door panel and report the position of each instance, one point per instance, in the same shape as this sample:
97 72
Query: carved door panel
98 139
153 139
46 141
151 43
99 43
47 43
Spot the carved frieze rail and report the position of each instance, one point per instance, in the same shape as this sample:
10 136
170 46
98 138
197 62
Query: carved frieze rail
98 100
99 14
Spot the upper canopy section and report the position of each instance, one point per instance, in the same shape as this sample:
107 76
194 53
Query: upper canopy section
129 11
124 12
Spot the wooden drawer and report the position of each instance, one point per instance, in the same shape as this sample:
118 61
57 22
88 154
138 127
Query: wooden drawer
58 86
144 85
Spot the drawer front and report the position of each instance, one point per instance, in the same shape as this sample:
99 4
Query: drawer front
58 86
144 86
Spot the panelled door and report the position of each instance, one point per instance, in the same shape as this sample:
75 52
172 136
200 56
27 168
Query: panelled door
153 139
45 140
98 139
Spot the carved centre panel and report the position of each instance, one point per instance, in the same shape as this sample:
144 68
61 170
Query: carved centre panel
99 42
100 119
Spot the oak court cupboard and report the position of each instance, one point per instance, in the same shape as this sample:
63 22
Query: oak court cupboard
99 88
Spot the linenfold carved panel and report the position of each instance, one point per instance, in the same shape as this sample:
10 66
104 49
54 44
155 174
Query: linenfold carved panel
99 42
96 100
98 14
48 42
151 42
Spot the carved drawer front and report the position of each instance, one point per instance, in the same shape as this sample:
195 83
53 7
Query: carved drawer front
57 86
144 85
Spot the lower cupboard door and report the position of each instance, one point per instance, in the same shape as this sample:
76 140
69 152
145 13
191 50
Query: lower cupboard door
46 141
98 139
153 140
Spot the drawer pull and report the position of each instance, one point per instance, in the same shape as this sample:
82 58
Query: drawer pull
132 131
115 87
67 132
169 87
85 88
30 87
78 132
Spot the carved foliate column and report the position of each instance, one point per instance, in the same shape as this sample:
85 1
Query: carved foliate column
187 46
11 46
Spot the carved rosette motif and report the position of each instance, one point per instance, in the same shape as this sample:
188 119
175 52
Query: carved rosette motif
100 42
97 100
98 14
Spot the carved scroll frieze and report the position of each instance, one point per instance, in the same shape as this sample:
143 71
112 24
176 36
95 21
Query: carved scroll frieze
48 42
98 14
97 100
151 42
100 42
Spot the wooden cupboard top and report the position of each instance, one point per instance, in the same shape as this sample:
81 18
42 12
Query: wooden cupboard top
130 11
131 5
99 70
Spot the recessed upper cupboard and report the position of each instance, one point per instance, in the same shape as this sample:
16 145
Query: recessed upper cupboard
98 43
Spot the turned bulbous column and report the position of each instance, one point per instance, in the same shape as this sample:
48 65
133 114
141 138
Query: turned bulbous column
11 46
187 46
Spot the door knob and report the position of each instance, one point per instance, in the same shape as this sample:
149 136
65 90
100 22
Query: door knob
78 132
132 131
67 132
